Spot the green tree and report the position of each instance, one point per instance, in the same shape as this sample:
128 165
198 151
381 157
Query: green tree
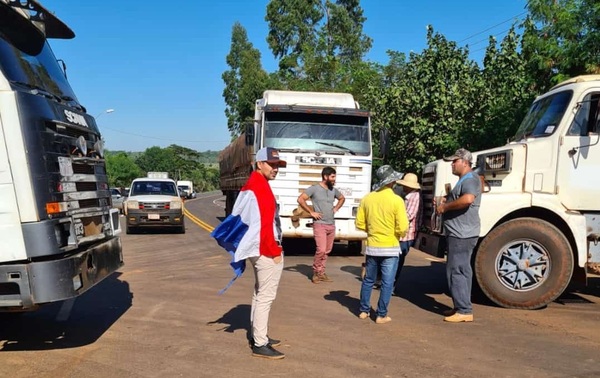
561 40
507 92
318 43
428 104
121 169
245 81
181 163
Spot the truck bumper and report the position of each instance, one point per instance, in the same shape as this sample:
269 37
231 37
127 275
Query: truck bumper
433 244
345 229
157 219
24 286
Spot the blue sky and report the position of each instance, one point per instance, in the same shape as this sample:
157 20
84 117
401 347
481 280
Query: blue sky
159 64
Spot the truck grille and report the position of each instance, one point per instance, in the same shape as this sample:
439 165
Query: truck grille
154 205
427 191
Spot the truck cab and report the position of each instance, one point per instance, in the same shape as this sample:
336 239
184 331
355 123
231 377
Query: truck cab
540 209
59 235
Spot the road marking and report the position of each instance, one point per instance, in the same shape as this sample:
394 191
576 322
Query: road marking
197 221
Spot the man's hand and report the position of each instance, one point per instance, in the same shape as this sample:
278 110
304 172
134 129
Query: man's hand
277 259
316 215
439 204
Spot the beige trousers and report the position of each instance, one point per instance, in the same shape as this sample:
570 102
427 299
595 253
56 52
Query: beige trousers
267 274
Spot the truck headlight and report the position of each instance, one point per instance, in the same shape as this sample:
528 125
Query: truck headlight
133 205
176 205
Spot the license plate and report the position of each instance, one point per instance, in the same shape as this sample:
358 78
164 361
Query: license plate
153 216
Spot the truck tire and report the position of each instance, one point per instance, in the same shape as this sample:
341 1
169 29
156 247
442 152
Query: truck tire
355 247
129 230
524 263
181 229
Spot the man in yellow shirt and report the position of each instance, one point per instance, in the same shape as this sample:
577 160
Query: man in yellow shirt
382 215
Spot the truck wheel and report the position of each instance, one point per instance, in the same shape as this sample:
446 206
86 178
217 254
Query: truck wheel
129 230
355 247
181 229
524 263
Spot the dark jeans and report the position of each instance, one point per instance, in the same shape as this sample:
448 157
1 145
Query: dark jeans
404 248
459 272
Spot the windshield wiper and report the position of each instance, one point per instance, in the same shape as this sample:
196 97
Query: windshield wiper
35 89
338 146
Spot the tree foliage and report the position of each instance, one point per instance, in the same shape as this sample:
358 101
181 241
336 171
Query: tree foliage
318 43
245 81
121 169
428 104
561 40
433 101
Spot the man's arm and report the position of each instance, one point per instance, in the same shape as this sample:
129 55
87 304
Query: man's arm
470 189
340 201
302 202
460 203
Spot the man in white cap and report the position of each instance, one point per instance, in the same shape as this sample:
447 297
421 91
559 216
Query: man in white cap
253 231
414 209
461 225
382 215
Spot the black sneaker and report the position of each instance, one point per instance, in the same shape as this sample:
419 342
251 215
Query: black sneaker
267 351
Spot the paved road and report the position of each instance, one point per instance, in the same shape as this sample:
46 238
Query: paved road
160 316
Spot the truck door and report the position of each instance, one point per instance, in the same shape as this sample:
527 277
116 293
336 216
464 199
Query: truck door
578 175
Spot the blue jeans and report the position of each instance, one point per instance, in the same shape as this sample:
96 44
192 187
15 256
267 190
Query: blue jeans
388 266
404 248
459 272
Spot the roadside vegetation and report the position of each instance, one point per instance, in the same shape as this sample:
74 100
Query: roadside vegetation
432 101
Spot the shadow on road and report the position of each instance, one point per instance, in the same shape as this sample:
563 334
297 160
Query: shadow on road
234 319
305 270
343 298
575 290
59 326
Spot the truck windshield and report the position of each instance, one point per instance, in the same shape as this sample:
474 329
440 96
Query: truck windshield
39 71
323 132
544 116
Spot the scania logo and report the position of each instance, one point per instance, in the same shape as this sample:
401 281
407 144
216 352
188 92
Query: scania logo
75 118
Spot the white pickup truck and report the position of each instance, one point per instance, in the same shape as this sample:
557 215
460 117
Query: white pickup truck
154 202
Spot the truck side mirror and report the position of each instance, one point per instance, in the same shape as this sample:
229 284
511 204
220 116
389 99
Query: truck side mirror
384 145
249 135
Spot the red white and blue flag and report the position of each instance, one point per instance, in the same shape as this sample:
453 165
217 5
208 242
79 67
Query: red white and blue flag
250 229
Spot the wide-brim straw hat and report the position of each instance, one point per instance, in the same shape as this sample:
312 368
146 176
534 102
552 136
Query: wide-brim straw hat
410 180
386 175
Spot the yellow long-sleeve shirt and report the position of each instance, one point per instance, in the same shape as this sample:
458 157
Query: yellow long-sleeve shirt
382 215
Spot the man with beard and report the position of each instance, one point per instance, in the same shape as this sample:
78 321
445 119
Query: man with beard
322 195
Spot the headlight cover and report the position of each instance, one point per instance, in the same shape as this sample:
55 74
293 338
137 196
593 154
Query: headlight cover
176 205
133 204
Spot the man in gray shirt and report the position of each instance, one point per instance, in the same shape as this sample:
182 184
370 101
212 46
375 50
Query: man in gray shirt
462 226
322 196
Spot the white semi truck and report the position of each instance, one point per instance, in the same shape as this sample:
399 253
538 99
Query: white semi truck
58 230
311 130
540 210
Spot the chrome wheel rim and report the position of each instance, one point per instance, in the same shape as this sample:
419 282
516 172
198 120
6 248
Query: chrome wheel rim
523 265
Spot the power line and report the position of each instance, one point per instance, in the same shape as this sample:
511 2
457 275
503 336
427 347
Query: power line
491 27
166 139
487 39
